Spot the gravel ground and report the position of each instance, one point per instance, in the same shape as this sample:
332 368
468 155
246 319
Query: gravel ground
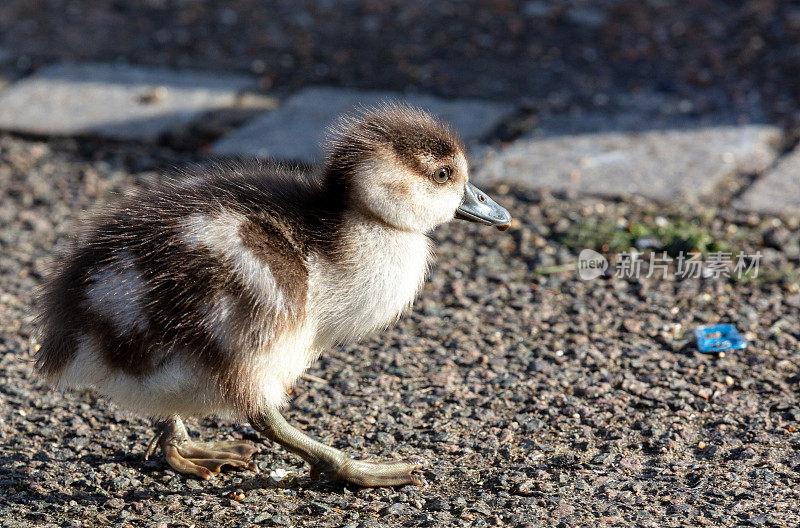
538 400
550 53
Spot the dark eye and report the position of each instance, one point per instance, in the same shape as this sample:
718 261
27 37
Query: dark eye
442 174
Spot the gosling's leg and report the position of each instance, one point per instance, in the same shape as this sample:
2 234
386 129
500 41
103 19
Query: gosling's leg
331 463
202 459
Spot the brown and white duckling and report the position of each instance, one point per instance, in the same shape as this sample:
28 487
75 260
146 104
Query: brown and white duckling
213 295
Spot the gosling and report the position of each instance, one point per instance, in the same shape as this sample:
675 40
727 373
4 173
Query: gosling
213 293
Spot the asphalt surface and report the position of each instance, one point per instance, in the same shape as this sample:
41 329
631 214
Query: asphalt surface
549 54
537 399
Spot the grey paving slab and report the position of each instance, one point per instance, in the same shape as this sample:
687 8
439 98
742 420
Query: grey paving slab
7 73
119 102
777 191
296 130
623 156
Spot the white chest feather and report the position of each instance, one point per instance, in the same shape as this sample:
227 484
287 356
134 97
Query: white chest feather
371 288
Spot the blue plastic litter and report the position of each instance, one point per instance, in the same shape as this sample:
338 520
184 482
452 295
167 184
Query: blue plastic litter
718 338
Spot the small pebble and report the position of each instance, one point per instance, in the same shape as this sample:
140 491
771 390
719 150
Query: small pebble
237 495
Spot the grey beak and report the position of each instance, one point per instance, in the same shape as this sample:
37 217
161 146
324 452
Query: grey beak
477 207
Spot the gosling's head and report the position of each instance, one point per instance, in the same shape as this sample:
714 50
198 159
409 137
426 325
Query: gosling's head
401 166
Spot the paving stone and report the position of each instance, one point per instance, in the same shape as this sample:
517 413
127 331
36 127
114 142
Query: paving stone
777 191
624 154
114 101
296 130
7 73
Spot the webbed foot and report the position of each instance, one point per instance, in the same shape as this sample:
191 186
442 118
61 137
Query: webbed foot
370 474
328 462
202 459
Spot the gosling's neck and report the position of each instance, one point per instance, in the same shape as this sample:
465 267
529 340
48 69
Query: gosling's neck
369 283
368 237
